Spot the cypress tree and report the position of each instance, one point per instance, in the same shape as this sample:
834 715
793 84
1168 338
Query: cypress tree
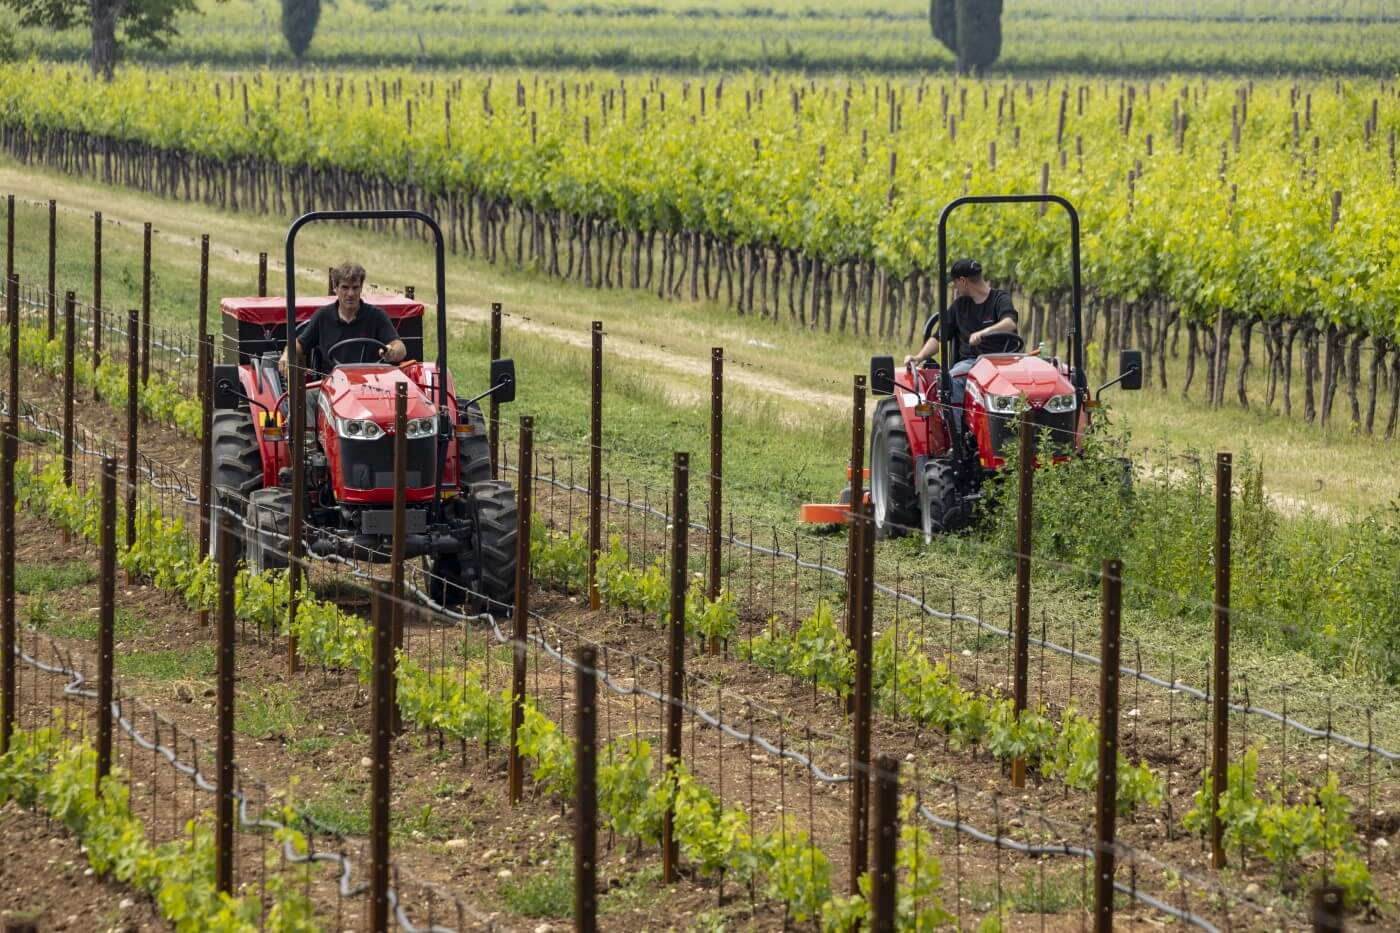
943 17
299 18
979 34
970 29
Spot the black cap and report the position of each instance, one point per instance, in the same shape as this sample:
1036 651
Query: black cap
964 268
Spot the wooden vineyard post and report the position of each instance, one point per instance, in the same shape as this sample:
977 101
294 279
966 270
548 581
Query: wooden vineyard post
493 407
227 547
863 526
400 541
1326 909
96 296
146 305
70 349
382 727
52 299
520 614
886 843
262 275
9 449
675 657
586 790
855 468
203 297
106 619
595 466
1106 802
9 237
716 519
206 451
1220 690
1022 622
132 427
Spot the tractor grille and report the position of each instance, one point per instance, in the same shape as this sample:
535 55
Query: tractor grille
1060 425
370 464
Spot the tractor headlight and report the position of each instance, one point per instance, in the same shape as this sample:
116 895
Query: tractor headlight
1060 404
1003 404
356 430
421 427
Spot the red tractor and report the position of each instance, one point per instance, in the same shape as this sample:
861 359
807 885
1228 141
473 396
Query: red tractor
458 519
924 473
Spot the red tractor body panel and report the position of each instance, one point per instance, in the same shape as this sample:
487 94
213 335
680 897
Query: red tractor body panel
1009 375
367 393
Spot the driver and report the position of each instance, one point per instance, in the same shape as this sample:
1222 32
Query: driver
347 318
978 312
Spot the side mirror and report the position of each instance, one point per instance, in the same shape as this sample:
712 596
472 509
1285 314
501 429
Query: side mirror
882 375
503 380
1130 369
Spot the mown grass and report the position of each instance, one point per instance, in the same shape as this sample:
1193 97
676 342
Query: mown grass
52 576
167 664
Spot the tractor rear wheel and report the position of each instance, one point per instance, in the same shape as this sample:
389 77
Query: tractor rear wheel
892 491
945 508
268 523
474 450
237 467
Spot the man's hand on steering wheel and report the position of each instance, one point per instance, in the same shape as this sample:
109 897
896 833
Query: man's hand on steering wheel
383 349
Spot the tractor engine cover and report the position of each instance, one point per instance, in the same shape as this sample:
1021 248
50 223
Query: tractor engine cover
999 385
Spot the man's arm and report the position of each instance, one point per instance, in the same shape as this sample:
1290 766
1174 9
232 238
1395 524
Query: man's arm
394 350
1006 325
929 348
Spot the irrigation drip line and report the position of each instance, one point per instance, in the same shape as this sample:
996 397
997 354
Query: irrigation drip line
1033 849
834 570
75 687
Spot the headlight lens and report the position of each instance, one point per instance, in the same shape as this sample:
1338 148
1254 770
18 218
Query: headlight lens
358 430
1060 403
1003 403
421 427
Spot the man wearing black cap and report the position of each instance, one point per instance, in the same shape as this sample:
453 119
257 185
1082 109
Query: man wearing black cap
977 313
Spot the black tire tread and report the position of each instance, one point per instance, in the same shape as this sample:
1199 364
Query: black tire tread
948 510
474 463
902 513
268 522
497 530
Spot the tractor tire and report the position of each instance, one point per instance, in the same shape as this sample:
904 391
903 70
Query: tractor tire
237 469
945 509
269 521
893 494
474 451
497 527
485 568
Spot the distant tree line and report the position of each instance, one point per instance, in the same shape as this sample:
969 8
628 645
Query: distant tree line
971 30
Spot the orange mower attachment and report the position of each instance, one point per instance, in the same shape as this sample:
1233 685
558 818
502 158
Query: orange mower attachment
834 513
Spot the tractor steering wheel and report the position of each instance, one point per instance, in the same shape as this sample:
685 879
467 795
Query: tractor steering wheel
1000 343
330 353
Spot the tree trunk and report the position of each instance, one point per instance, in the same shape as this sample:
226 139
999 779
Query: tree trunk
1242 385
105 52
1192 345
1394 394
1309 373
1354 377
1224 326
1377 359
1331 363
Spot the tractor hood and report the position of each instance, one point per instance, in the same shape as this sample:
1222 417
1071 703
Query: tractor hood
1031 377
366 393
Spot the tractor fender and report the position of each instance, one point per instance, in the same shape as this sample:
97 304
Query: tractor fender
928 436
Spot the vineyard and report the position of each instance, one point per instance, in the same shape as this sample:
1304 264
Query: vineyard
759 805
1255 37
1232 211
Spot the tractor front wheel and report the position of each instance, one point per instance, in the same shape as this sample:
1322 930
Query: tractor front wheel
237 468
945 508
485 566
269 522
892 492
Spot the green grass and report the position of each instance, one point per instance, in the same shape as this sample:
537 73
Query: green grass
313 744
271 712
548 892
1054 892
171 664
52 576
41 615
341 808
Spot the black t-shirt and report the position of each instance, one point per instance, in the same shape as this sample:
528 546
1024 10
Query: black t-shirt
325 329
966 317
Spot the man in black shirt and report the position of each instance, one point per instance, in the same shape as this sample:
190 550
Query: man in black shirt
979 312
345 318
